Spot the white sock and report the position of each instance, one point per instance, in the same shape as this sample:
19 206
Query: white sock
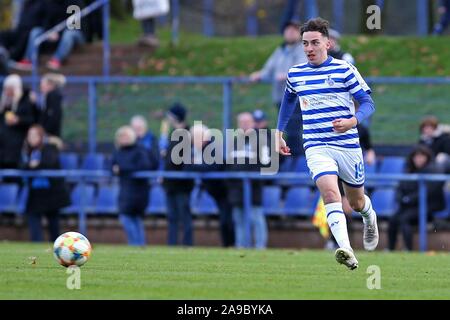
338 224
367 213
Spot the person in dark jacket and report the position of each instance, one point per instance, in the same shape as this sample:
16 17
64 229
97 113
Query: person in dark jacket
65 40
419 161
178 191
15 40
201 139
432 136
248 152
16 117
145 138
49 111
46 196
127 159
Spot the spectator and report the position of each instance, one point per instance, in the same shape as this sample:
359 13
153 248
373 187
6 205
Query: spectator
178 191
145 138
49 108
65 41
129 157
146 11
16 116
201 139
46 195
4 57
15 40
436 139
275 70
444 12
247 153
335 49
419 161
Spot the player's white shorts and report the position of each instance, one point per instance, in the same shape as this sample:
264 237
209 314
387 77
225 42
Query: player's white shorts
346 163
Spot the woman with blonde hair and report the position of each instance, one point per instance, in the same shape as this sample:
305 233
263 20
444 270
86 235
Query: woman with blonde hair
16 116
129 158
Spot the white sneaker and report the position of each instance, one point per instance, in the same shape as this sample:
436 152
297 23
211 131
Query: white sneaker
346 257
371 235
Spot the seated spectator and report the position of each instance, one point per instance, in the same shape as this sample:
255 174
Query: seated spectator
407 216
49 111
128 158
145 138
16 116
246 154
15 40
46 195
432 136
65 40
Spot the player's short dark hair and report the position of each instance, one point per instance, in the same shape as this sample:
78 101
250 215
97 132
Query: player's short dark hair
316 24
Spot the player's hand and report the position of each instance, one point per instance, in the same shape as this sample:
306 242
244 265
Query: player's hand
280 145
343 125
255 76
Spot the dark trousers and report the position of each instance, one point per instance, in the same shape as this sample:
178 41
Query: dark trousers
404 220
179 213
35 226
226 221
15 42
148 25
134 229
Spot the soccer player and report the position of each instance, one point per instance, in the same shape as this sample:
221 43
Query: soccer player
325 87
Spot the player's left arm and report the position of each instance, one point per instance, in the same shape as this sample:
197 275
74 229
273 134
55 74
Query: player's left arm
361 92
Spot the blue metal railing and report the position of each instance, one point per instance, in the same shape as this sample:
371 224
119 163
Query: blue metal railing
62 25
246 177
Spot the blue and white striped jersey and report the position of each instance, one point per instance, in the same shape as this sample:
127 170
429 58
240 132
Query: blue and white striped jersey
325 92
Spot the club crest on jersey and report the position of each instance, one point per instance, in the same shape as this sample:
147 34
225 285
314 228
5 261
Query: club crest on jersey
330 81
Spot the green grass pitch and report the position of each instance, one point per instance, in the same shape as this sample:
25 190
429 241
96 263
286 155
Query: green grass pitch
120 272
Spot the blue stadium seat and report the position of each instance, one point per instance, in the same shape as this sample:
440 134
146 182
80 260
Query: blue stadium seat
384 202
78 199
287 165
68 161
444 214
157 200
300 201
301 165
271 200
392 165
93 161
9 193
370 168
107 200
202 203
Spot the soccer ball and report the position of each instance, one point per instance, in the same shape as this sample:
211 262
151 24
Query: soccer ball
72 248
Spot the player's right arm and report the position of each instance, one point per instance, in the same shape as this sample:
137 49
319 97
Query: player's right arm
287 108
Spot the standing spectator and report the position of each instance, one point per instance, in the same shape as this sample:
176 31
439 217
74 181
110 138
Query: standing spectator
15 40
16 116
65 40
335 48
127 159
217 188
444 12
276 69
247 153
407 216
146 11
49 107
178 191
432 136
145 138
46 195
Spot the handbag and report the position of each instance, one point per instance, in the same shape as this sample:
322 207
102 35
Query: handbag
143 9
